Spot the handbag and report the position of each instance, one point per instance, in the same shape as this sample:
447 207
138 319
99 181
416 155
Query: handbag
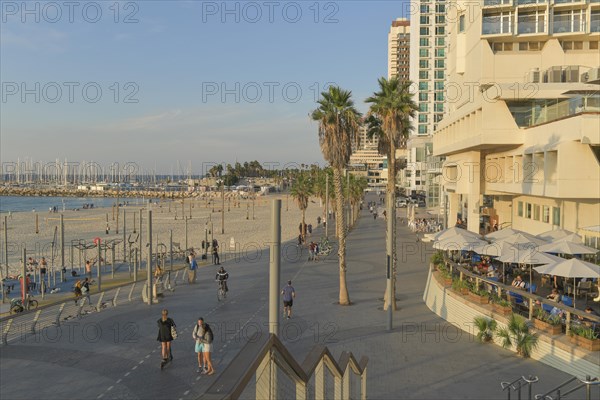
173 332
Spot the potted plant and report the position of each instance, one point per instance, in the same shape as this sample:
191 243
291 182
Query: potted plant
545 322
479 296
517 334
460 286
501 306
486 328
436 260
445 274
585 337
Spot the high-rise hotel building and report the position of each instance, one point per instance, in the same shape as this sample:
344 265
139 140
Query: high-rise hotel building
399 49
522 119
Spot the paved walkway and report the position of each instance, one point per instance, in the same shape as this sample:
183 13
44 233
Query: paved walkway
114 354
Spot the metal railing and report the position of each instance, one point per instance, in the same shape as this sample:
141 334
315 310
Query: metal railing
266 366
517 386
563 390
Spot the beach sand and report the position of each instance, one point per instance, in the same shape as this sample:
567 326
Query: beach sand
248 234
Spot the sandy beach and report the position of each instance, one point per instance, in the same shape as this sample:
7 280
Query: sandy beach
87 224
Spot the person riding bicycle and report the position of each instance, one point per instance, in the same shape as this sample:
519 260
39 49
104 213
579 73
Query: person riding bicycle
222 277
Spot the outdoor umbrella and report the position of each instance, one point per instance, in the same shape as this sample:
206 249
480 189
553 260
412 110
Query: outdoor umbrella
458 242
525 254
573 238
563 247
553 235
572 268
453 231
522 238
502 233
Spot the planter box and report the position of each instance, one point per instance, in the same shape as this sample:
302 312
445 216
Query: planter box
479 299
447 281
501 310
464 291
587 344
546 327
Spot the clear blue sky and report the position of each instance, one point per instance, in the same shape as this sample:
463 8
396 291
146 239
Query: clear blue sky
174 58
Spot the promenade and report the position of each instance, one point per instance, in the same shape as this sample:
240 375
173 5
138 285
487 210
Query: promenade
114 354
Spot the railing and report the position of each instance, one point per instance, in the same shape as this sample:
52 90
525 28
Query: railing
518 384
562 390
20 325
278 375
532 298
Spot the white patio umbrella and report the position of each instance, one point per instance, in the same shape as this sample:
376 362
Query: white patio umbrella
522 238
564 247
555 234
458 242
525 254
453 231
502 233
573 238
572 268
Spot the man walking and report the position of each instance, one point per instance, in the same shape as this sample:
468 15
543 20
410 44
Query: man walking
85 291
289 294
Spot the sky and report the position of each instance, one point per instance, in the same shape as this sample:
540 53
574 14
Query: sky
162 82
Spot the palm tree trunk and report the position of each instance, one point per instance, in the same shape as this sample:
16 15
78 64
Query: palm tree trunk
341 229
304 225
391 227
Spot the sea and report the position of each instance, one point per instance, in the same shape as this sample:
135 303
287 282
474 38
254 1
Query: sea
44 203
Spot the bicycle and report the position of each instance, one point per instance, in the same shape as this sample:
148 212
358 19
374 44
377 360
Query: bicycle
221 292
16 305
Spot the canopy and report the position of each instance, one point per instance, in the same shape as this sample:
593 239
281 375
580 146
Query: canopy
524 254
573 238
564 247
494 249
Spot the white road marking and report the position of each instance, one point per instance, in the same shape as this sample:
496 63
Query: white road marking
119 381
134 367
186 392
127 374
109 389
100 396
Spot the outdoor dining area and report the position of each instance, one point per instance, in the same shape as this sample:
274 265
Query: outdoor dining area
552 276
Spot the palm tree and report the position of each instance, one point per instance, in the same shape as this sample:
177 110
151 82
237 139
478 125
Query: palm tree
517 334
338 125
301 190
486 328
391 109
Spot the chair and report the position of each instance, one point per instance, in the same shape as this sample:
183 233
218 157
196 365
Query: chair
567 301
547 307
533 288
584 287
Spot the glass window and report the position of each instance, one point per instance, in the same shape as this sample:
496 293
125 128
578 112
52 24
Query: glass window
423 107
440 19
424 20
536 212
422 131
568 21
438 96
439 74
423 52
423 63
440 52
423 97
440 30
423 74
423 85
595 21
440 8
439 85
520 208
556 216
528 209
424 9
440 41
424 31
439 63
438 107
424 42
461 23
546 214
422 117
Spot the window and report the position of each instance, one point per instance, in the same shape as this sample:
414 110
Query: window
424 31
440 30
420 154
424 9
424 20
439 74
422 130
497 22
440 41
440 19
536 212
438 107
423 107
422 117
556 216
520 208
423 97
423 74
593 45
440 8
423 85
438 85
424 53
438 117
439 63
424 42
461 23
531 22
423 63
528 208
438 96
595 22
545 214
568 21
440 52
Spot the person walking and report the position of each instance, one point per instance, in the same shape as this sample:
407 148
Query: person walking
77 291
85 291
289 294
166 327
193 267
197 334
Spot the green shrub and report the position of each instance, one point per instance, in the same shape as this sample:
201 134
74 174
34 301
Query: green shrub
584 332
500 301
517 334
486 327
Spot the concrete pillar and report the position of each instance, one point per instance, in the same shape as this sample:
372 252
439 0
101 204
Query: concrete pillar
453 207
274 267
149 261
62 247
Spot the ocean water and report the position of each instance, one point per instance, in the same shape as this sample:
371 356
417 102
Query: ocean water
29 203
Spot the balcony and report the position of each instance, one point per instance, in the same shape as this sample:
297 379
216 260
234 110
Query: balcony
528 25
530 2
535 112
496 3
567 24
